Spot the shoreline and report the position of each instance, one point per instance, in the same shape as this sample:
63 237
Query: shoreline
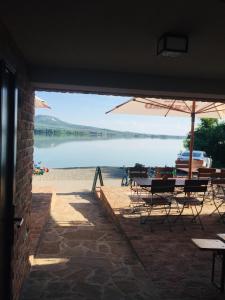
75 179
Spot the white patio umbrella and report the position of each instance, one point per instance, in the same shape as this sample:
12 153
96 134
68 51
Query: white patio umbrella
175 108
39 103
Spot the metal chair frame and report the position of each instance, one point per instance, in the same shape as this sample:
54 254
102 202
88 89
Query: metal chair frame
161 193
136 196
164 172
217 197
193 190
206 173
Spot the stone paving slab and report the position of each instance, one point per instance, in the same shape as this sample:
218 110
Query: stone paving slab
40 212
177 268
82 255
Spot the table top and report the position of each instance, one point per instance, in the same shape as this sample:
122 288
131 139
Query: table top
221 236
209 244
147 182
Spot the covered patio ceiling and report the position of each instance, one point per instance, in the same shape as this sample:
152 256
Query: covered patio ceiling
110 47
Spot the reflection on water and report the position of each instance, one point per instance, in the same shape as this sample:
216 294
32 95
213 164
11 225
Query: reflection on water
59 152
53 141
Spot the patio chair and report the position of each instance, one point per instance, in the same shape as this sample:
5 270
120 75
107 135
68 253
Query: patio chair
219 175
164 172
140 172
137 171
206 172
136 191
194 196
218 196
160 194
132 172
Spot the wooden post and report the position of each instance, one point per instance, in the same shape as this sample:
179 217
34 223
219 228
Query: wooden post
191 140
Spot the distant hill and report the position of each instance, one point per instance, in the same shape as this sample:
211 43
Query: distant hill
52 126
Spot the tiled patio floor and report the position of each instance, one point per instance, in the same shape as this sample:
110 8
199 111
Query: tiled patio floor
82 255
178 269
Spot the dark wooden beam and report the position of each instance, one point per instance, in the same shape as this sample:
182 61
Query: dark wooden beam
127 84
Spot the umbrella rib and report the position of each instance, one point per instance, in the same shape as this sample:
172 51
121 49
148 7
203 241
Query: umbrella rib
205 108
213 105
213 111
216 111
119 106
170 108
187 105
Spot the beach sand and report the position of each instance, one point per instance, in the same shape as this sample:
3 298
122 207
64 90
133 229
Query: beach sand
76 179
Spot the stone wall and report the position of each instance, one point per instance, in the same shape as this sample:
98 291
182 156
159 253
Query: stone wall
23 187
20 262
40 214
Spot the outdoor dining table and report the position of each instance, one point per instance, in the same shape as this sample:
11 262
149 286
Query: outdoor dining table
147 182
218 249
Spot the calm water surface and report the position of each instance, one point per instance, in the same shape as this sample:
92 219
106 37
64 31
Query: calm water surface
64 152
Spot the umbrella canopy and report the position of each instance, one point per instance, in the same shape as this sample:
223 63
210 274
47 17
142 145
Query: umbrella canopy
39 103
174 108
170 107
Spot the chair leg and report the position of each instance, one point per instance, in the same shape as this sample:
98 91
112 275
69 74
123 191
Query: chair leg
142 221
180 211
148 210
216 207
149 217
167 216
197 216
193 219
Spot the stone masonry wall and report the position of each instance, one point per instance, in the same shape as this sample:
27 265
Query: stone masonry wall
20 262
23 187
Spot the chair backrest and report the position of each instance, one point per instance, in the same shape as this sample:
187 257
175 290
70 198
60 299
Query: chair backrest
138 172
218 181
184 164
196 185
206 172
164 172
219 175
162 186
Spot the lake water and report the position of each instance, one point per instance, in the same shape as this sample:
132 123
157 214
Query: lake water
64 152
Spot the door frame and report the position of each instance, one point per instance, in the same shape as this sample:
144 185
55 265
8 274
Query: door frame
8 140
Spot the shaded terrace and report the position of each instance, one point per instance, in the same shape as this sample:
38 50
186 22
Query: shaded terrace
176 267
96 248
82 254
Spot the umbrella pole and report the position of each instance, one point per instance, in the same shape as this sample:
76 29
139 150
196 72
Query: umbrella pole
191 140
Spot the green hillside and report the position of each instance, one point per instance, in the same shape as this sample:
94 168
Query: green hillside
51 126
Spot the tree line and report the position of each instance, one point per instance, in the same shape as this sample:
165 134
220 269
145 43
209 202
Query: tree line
210 137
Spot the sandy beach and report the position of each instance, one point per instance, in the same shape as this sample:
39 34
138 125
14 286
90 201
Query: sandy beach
76 179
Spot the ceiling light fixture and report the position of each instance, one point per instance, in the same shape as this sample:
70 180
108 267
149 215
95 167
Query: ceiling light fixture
172 45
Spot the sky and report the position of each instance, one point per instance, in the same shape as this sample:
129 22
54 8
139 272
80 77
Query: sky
89 109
